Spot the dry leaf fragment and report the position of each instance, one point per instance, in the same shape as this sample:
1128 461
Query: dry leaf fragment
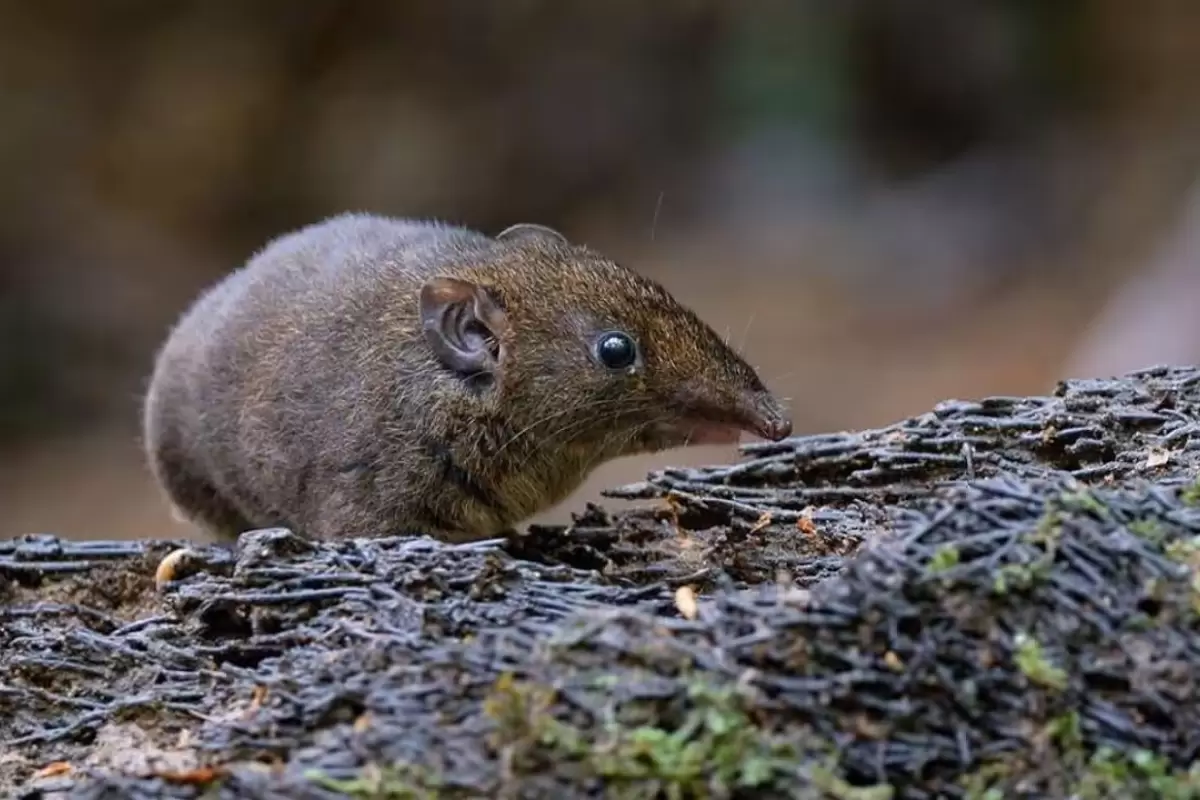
685 601
763 521
1157 458
257 696
867 728
54 768
195 777
171 566
673 508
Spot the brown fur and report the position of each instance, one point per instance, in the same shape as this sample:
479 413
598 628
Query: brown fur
299 391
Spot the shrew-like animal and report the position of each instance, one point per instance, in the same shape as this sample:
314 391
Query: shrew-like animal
375 376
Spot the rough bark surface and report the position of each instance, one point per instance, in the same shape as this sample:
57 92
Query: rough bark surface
996 595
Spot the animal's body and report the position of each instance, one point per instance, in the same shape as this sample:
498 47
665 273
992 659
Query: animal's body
370 376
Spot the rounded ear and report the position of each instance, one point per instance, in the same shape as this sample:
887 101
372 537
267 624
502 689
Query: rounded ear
530 230
463 325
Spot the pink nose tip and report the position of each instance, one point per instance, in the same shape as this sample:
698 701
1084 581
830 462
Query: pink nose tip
767 418
777 429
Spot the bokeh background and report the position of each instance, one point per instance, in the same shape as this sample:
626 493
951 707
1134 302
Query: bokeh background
884 202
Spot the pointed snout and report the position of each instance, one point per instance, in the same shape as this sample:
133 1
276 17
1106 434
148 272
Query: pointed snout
763 415
721 416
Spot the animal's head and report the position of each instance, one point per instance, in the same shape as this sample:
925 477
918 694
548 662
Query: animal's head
587 352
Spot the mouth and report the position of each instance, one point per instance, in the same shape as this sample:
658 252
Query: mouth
722 420
761 419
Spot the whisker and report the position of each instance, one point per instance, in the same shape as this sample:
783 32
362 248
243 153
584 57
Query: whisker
576 427
746 332
624 438
580 423
561 412
657 208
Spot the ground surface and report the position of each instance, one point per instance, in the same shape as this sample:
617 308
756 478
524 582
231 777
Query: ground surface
996 598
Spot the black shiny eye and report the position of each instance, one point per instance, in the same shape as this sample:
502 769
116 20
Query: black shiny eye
616 350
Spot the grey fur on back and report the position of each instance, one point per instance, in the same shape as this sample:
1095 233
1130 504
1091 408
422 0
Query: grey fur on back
294 353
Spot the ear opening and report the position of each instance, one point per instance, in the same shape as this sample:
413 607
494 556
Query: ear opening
530 231
463 325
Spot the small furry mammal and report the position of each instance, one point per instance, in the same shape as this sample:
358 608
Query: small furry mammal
369 376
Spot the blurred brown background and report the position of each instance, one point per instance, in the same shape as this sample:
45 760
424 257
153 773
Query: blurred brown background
886 202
